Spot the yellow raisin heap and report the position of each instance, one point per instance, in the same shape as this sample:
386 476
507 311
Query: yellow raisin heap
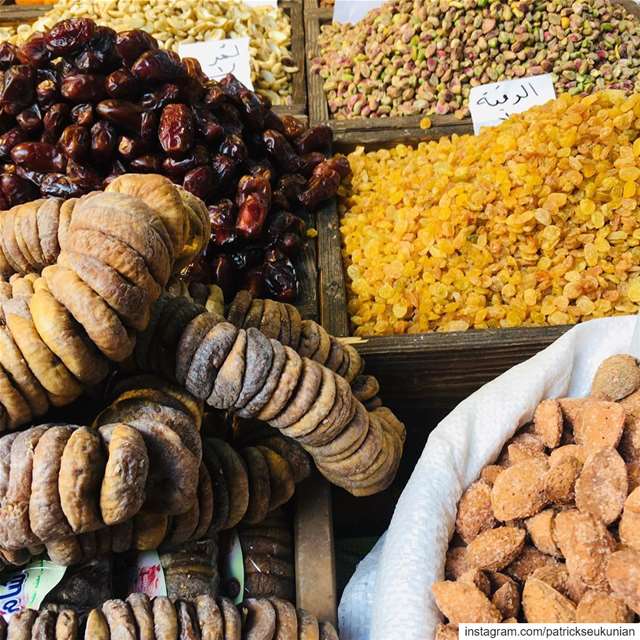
533 222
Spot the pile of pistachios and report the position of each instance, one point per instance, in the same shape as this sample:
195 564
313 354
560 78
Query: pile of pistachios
423 56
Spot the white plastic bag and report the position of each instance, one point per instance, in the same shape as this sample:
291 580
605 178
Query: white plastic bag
389 596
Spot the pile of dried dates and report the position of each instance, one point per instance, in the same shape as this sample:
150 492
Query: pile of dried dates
82 104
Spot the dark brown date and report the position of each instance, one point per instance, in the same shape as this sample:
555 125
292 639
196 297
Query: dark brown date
156 100
8 55
104 141
290 244
47 93
75 143
69 35
222 214
130 148
10 139
253 282
100 53
281 152
121 84
54 121
292 127
225 170
253 200
176 168
35 177
194 71
149 127
130 45
30 120
200 182
215 96
82 176
222 275
318 138
122 113
82 114
57 185
246 100
38 156
206 125
158 67
325 181
310 161
34 51
117 169
17 190
17 88
234 147
176 130
83 87
280 278
272 121
148 163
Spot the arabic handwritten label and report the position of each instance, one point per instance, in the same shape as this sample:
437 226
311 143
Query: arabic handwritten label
491 104
148 576
28 587
220 57
352 11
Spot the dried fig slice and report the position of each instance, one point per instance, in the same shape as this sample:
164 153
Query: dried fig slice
188 629
66 338
286 619
518 491
586 545
15 530
474 511
327 631
122 625
236 480
101 323
253 544
209 618
239 307
21 625
116 254
130 302
28 240
602 486
295 326
266 565
165 620
209 357
259 358
122 492
81 470
281 482
10 247
21 376
14 408
616 378
52 374
149 530
262 585
205 503
262 397
65 551
270 321
67 625
543 604
97 627
599 606
259 485
141 609
308 628
292 452
190 340
463 602
46 517
285 327
228 382
254 314
260 622
231 619
47 217
221 493
183 525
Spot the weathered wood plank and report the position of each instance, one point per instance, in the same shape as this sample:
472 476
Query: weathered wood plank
293 9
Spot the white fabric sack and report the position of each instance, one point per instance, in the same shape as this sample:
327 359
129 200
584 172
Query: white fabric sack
389 596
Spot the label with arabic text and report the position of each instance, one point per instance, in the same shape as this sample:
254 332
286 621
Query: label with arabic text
491 104
28 587
220 57
352 11
148 576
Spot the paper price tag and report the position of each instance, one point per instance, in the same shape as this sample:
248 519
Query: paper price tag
148 576
491 104
220 57
28 587
352 11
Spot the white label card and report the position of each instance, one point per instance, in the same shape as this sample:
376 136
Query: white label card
148 576
261 3
220 57
352 11
491 104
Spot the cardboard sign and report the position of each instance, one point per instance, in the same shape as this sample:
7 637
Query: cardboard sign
220 57
28 587
491 104
352 11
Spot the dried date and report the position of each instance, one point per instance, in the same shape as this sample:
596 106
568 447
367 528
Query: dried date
122 113
121 84
104 141
57 185
54 121
176 130
281 152
130 148
8 55
83 87
130 45
34 51
82 114
30 120
69 35
148 163
38 156
18 88
10 139
200 182
47 93
318 138
17 190
157 67
75 143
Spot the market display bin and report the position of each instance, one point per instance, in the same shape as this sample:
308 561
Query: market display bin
12 14
421 370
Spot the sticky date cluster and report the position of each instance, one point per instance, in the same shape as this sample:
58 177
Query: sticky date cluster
82 104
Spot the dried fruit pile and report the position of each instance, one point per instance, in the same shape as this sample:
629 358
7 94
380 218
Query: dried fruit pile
82 104
172 23
550 532
417 56
139 618
533 222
